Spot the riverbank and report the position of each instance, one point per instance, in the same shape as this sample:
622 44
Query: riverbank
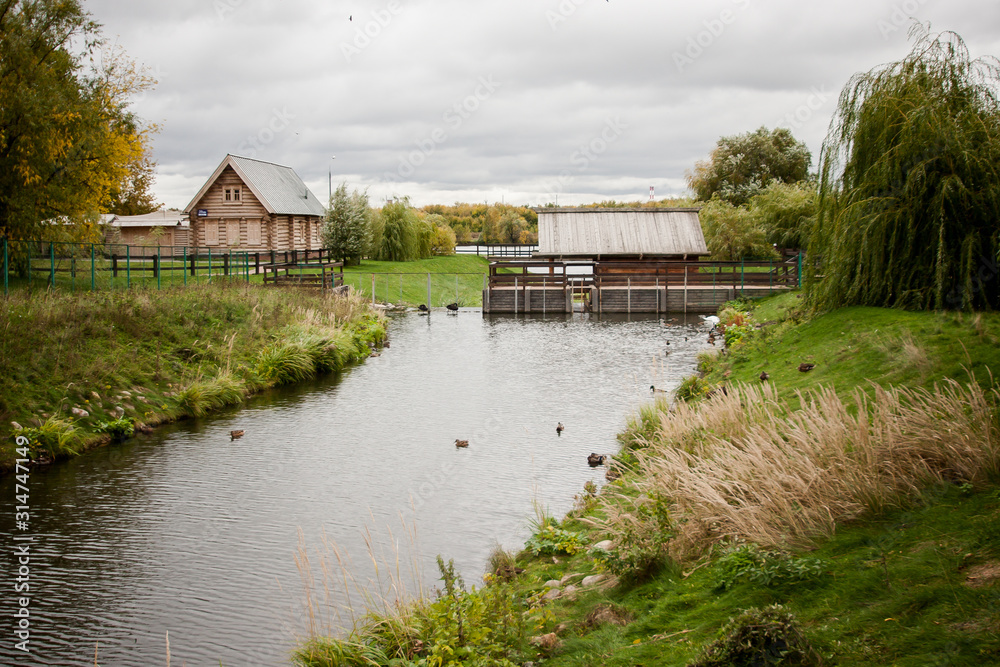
79 370
877 536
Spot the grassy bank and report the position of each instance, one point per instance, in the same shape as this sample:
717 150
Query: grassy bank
454 279
76 370
812 518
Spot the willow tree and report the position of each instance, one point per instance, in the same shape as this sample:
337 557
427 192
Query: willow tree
909 207
399 239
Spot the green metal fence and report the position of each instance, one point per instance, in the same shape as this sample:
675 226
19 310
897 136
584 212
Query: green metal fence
112 266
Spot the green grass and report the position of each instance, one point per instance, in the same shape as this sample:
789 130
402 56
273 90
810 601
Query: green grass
853 346
454 278
891 591
164 354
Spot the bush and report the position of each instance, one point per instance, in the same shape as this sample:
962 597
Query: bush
551 540
118 429
54 438
749 563
206 395
693 387
759 638
641 541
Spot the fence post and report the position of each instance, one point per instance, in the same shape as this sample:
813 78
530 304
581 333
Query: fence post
6 268
52 265
742 276
128 267
156 266
184 264
798 278
209 265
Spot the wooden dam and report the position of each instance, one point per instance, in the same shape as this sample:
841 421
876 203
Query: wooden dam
643 260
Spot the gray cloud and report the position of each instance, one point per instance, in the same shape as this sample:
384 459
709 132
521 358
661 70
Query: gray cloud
397 93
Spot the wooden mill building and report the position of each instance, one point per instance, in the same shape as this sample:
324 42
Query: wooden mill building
251 205
621 260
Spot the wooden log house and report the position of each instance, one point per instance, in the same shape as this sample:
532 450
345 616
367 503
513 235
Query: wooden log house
254 206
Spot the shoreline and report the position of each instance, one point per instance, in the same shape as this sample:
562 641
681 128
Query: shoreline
164 356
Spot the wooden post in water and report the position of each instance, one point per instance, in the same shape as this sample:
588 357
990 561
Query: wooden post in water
545 295
629 307
515 295
686 268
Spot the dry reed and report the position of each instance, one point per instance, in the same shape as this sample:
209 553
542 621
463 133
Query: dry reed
746 466
331 587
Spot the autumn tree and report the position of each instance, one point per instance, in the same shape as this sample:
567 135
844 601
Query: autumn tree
69 145
910 184
743 165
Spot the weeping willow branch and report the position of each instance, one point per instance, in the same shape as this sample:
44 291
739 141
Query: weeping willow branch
909 208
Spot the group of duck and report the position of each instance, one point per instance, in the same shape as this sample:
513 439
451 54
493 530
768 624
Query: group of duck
453 307
594 460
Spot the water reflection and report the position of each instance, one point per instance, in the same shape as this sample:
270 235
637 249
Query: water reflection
188 532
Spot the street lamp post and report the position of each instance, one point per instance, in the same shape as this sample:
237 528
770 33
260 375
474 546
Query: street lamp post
330 177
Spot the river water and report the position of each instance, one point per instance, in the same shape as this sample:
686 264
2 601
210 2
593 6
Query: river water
187 537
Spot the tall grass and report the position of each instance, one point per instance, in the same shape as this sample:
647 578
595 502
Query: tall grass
745 466
332 588
160 355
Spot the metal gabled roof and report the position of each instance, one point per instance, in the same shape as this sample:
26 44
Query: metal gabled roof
606 232
278 188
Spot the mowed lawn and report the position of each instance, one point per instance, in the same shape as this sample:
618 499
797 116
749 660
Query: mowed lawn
453 279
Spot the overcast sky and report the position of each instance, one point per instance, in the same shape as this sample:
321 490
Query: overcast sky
523 101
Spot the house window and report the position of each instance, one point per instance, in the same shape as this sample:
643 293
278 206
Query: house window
231 195
211 232
253 233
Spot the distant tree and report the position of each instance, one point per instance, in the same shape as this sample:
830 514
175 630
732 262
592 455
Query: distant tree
786 212
347 225
910 184
511 226
69 146
733 233
443 242
492 231
743 165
